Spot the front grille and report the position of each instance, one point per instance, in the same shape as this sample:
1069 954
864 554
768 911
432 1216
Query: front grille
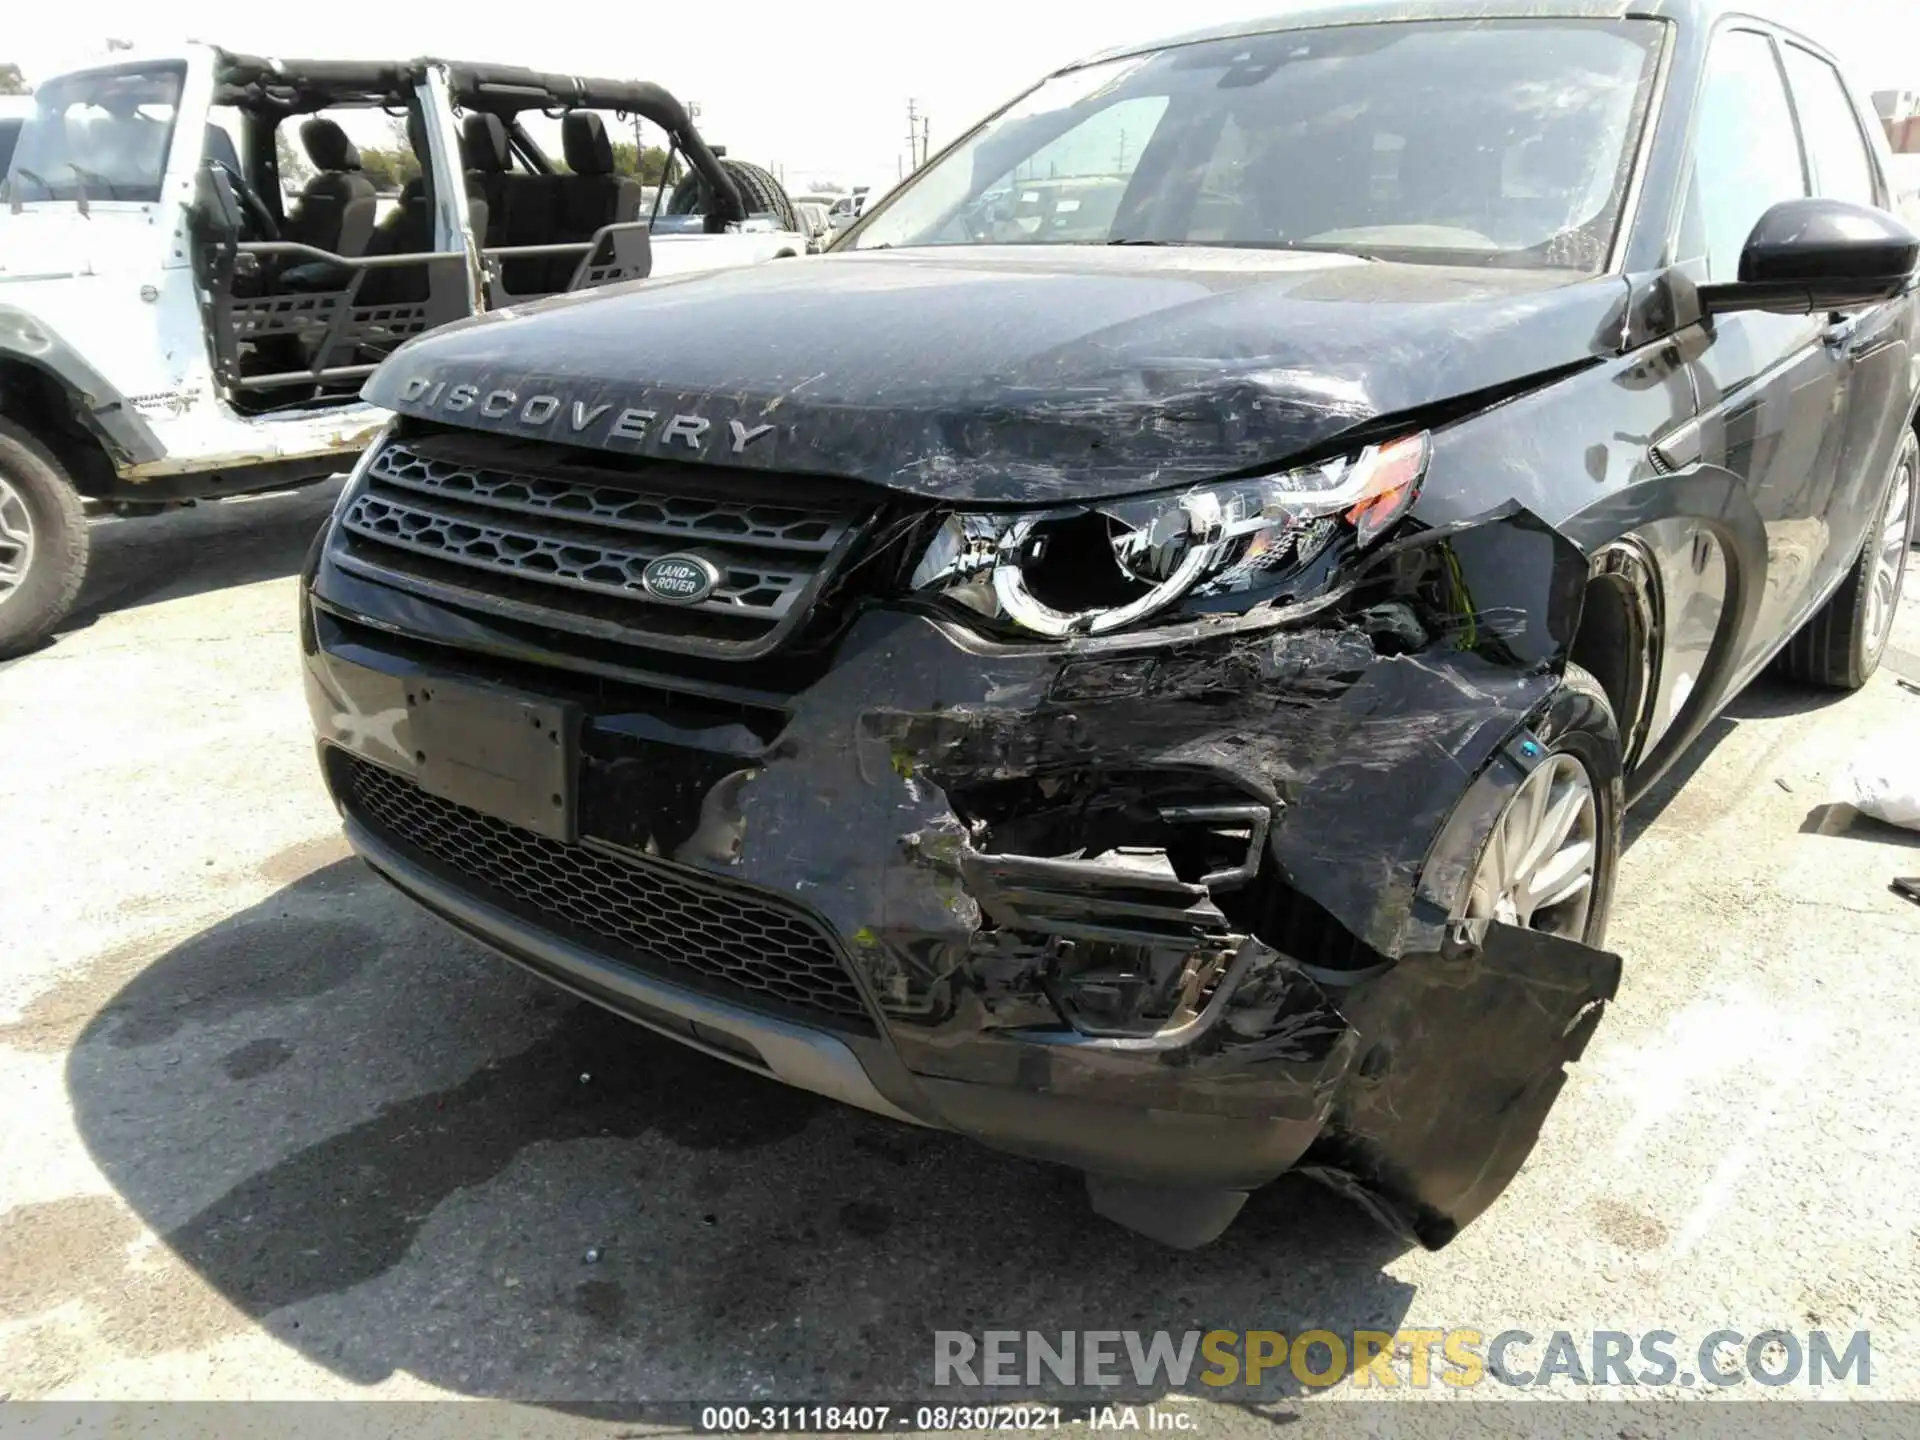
536 533
644 913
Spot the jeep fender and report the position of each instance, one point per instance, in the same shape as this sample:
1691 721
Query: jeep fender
128 439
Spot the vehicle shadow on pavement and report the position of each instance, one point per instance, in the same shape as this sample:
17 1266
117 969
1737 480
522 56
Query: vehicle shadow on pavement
395 1152
180 553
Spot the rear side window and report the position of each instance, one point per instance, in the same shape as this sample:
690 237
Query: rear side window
1842 167
1746 152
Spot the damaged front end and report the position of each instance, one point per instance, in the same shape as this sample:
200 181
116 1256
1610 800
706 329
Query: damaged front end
1171 903
1217 878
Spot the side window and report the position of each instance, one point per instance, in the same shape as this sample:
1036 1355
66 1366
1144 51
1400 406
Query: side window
1746 153
1842 167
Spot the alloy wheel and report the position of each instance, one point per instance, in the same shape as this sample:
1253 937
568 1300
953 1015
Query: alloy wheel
1883 588
1537 870
16 539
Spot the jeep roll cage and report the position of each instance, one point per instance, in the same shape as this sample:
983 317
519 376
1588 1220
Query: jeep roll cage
300 87
290 323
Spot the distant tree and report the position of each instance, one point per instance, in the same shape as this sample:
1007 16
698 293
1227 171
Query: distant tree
390 166
294 169
647 166
12 82
389 169
826 187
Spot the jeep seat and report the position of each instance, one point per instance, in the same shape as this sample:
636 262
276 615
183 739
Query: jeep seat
487 156
409 229
592 197
522 209
337 207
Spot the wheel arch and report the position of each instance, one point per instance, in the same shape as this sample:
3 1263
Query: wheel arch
1708 542
1619 637
50 388
48 407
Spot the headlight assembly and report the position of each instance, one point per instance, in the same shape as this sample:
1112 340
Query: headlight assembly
1101 568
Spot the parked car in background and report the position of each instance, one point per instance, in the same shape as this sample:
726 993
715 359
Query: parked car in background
172 328
1157 693
815 224
848 208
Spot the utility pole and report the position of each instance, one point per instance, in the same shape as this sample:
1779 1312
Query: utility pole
913 134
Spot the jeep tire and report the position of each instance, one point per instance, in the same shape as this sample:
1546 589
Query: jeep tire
43 541
759 190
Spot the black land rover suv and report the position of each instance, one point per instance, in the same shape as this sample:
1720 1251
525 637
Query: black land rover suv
1139 654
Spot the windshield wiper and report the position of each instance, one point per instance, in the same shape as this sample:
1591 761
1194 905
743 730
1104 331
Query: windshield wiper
17 198
79 194
113 190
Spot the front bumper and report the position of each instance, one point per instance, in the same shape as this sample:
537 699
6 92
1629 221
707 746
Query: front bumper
1299 998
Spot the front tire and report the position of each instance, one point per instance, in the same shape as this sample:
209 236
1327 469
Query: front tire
1549 861
1841 646
43 541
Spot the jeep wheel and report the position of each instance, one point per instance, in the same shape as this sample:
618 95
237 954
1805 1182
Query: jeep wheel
1840 647
43 541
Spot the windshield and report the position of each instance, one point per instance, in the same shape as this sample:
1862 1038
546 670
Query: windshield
1505 143
98 135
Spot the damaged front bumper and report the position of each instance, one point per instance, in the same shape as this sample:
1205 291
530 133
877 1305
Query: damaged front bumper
1174 912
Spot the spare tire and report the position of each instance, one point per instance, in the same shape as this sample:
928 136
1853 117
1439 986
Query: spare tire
759 190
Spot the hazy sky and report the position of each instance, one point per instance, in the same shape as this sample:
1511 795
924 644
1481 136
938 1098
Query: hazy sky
819 87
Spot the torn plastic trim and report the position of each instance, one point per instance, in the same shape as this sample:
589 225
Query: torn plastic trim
1465 1051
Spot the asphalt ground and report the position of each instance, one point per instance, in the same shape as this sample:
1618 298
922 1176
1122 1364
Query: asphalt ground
272 1133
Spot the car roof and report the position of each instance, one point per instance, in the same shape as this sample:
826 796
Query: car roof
1701 13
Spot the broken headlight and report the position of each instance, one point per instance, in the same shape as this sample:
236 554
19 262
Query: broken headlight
1101 568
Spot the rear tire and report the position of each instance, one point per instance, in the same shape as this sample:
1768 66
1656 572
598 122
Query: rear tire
43 541
1841 646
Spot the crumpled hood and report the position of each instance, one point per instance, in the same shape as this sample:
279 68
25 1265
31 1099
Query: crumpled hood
1005 374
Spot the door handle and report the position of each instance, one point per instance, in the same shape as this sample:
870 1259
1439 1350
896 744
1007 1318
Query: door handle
1840 331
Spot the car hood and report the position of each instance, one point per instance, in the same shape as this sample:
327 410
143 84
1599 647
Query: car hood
1005 375
52 240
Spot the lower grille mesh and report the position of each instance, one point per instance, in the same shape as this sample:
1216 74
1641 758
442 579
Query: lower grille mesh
656 917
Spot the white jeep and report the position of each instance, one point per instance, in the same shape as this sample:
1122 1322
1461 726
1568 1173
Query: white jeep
188 307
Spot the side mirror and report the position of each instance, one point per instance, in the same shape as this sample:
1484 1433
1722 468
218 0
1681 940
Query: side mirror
1810 256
